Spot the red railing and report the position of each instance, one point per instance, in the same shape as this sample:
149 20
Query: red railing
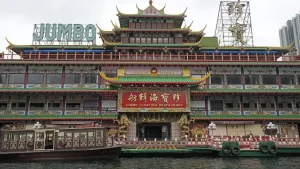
148 57
214 142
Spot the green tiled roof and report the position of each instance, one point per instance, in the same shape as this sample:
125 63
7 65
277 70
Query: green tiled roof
245 117
245 90
154 79
63 117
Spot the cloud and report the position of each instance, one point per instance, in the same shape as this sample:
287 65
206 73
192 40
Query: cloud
18 16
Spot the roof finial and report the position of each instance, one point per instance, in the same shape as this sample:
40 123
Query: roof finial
150 2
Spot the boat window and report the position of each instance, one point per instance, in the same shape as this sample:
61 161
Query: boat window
14 137
5 137
29 137
22 136
99 133
40 136
76 135
91 135
83 135
68 135
61 135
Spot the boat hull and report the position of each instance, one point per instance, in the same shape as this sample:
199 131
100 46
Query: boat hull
109 152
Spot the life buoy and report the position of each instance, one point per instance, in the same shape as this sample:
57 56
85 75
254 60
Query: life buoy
264 148
226 149
273 150
235 150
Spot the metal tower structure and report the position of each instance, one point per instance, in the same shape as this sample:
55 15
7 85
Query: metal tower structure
234 26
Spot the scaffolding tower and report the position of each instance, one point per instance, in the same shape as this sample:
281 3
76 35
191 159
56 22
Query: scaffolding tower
234 26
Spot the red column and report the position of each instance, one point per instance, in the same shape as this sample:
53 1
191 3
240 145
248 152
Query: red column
63 74
64 104
241 104
27 105
26 76
278 78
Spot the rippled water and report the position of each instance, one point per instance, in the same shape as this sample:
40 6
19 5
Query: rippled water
166 163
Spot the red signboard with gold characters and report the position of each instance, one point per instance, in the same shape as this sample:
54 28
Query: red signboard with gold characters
156 100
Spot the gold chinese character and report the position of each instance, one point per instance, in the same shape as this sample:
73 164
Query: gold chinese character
153 97
165 97
143 97
132 98
176 97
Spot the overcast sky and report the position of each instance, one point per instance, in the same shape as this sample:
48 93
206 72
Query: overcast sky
17 17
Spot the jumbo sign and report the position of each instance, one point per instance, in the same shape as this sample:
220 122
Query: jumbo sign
64 32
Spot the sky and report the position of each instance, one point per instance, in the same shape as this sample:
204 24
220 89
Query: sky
17 17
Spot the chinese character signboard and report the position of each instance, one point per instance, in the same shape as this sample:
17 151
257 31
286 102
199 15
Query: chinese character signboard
156 100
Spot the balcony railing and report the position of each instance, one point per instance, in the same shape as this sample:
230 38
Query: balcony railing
149 57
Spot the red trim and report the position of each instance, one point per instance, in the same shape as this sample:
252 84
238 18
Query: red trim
57 91
248 119
57 119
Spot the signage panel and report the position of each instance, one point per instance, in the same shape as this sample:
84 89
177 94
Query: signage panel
64 33
154 101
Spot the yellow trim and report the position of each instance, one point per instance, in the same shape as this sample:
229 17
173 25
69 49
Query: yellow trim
107 78
201 78
121 71
9 44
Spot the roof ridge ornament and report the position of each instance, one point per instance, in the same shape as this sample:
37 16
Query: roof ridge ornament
150 2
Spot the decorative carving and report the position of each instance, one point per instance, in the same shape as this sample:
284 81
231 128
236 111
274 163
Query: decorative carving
124 123
184 125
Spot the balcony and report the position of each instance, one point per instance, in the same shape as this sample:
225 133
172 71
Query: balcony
148 57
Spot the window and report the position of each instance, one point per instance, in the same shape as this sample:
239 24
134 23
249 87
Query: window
18 105
234 79
229 105
287 79
263 105
35 78
3 106
246 105
90 78
54 105
53 79
216 79
2 78
72 106
216 105
36 106
269 79
252 79
16 78
90 105
72 78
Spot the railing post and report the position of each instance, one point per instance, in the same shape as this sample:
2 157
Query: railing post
170 56
75 56
204 56
21 55
66 57
187 56
127 55
56 55
93 56
48 55
101 56
213 56
29 56
178 55
84 56
265 57
110 58
119 56
136 55
39 56
256 57
274 58
196 56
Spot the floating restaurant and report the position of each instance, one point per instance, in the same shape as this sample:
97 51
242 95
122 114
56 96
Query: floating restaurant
153 78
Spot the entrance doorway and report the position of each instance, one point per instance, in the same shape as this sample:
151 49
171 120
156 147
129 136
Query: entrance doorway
153 131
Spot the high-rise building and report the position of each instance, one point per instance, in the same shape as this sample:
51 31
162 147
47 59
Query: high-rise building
291 33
